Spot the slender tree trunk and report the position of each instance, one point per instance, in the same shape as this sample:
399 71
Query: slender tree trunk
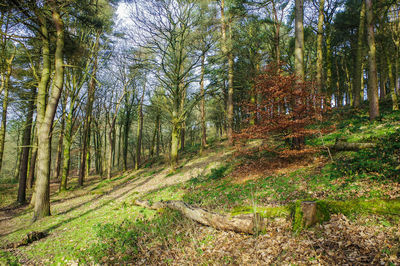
227 51
139 131
60 141
6 89
155 140
277 37
19 154
67 147
358 71
88 115
119 146
45 120
110 151
202 106
158 136
299 41
392 83
32 164
373 96
320 38
26 141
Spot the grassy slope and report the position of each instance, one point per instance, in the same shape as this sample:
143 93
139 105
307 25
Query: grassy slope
215 181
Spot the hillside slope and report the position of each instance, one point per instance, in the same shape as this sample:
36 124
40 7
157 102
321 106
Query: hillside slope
100 222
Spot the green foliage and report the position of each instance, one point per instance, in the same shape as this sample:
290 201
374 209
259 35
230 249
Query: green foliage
120 243
8 181
7 258
114 240
380 162
218 173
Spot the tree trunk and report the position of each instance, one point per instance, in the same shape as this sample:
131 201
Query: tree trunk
26 142
32 164
60 141
110 151
299 40
175 134
373 96
320 46
249 224
67 147
227 51
45 119
139 131
358 72
88 115
392 83
202 106
6 89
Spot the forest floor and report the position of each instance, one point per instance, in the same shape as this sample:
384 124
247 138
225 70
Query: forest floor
100 222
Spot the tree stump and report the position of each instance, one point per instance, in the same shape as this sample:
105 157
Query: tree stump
309 209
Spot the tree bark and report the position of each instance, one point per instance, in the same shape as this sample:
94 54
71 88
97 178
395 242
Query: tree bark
26 142
352 146
6 89
45 119
249 224
392 83
227 51
373 96
299 40
60 141
139 131
358 72
88 115
320 36
202 106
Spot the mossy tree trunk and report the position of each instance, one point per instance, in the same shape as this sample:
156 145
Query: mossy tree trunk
45 120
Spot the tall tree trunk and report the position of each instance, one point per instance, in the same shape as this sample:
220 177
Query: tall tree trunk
320 46
373 96
392 83
32 164
227 51
60 141
277 37
19 154
67 146
202 106
139 131
26 142
175 134
88 115
45 119
110 150
119 146
358 72
299 40
6 89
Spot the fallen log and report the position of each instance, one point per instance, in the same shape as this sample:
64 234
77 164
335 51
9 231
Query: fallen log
28 239
352 146
249 224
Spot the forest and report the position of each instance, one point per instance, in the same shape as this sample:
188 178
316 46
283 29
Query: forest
211 132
